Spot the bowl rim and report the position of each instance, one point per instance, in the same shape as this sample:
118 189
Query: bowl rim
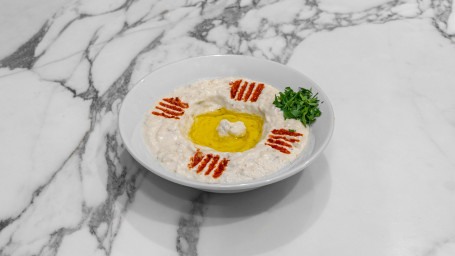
225 187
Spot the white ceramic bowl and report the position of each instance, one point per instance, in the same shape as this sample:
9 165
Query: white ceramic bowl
166 79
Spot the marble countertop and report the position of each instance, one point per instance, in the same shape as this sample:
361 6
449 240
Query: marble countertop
384 186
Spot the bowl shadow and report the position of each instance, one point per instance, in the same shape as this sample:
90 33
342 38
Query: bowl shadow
267 218
283 210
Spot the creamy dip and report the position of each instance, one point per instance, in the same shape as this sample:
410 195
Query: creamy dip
166 131
227 128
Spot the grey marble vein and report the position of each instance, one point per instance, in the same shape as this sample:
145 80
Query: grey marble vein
24 56
439 247
189 226
442 10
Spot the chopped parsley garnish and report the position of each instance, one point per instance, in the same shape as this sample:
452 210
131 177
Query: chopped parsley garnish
301 105
291 130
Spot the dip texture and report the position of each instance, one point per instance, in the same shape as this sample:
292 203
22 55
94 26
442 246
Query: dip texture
170 120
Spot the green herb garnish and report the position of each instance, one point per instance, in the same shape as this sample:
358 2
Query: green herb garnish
301 105
291 130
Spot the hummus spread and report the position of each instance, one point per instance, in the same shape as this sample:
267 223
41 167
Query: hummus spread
223 131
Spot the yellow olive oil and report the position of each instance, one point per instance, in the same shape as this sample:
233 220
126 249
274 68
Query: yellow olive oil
203 131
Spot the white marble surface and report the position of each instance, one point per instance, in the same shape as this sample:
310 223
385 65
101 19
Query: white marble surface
384 186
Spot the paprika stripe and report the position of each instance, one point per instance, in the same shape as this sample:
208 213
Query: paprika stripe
212 164
279 148
277 137
248 93
220 169
172 107
235 87
176 101
242 90
196 159
164 115
204 162
257 92
169 112
286 132
279 142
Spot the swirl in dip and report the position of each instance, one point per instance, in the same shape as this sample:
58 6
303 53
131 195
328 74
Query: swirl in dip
223 131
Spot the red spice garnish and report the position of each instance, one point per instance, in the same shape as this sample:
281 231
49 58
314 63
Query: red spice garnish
176 101
170 112
286 132
164 115
276 141
243 93
204 162
242 90
279 142
194 160
173 107
279 148
248 93
283 138
220 169
257 92
212 164
235 87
